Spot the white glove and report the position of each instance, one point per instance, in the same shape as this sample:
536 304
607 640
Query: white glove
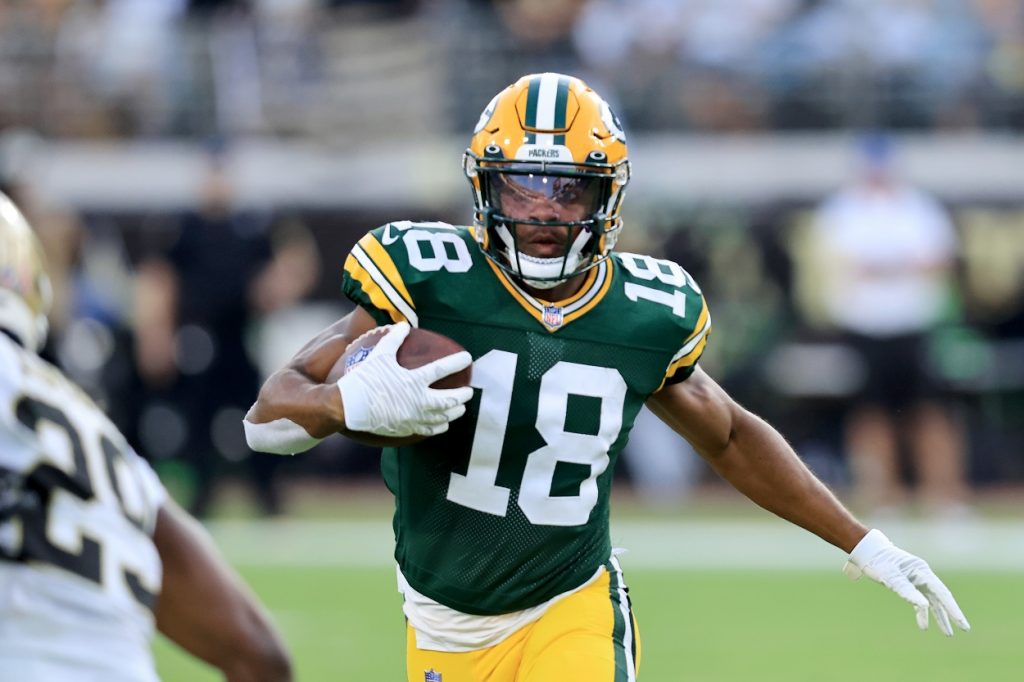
380 396
908 576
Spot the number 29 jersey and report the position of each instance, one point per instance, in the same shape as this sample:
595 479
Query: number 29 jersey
79 573
510 507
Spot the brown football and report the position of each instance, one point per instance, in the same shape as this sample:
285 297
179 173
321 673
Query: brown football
419 348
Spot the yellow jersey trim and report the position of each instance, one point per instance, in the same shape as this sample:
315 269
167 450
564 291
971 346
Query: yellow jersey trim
382 259
690 357
372 290
513 290
594 287
605 286
693 346
702 320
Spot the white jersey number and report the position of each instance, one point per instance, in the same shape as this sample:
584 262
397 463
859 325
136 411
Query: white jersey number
494 374
652 269
433 251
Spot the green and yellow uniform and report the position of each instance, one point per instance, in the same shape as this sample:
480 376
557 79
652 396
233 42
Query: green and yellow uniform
510 507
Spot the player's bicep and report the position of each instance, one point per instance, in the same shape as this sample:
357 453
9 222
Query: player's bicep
316 358
204 606
699 410
297 391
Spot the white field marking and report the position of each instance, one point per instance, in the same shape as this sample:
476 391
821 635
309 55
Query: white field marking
983 545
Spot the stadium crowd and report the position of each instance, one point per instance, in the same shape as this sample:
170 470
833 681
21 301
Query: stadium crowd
142 323
197 67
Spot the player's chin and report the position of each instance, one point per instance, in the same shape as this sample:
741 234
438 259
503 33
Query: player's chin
544 250
375 441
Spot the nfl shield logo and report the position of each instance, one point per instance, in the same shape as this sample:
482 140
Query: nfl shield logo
552 316
431 676
357 357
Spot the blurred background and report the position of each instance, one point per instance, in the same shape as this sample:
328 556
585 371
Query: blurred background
845 178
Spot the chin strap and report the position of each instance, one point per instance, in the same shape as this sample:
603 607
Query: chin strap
542 273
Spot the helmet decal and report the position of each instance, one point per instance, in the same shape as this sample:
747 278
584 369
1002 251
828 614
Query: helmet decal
611 121
486 115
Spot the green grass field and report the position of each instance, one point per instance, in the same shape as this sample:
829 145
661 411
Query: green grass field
343 621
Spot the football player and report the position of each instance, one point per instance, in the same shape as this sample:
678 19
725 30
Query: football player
93 552
501 519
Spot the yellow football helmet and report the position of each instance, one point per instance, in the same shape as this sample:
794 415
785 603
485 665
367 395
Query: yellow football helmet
550 136
25 293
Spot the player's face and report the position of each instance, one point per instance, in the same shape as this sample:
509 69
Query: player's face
546 198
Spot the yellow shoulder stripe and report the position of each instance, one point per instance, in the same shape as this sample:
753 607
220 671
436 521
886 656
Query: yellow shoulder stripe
702 319
377 296
690 357
386 265
685 361
694 344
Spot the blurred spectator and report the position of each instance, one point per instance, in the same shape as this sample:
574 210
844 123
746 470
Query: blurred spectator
198 67
194 307
887 253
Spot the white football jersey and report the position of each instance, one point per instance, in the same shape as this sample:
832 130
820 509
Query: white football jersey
79 573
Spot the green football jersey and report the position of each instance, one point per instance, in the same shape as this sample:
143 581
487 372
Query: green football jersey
510 507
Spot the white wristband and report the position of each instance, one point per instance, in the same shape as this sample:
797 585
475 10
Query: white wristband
279 437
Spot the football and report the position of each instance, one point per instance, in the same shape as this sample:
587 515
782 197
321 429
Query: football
419 348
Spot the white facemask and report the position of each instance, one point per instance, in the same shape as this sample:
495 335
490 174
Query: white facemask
542 273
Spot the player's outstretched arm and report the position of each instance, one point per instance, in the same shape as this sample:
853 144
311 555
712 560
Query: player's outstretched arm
753 457
205 608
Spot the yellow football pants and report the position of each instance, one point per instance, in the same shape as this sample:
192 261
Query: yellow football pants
589 636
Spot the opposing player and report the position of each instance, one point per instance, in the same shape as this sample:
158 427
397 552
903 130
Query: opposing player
501 521
93 553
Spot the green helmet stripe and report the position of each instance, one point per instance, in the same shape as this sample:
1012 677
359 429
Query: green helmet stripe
561 100
532 95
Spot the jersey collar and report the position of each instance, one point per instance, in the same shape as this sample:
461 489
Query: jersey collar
553 315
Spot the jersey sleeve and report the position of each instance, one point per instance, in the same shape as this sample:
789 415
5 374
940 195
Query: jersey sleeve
373 281
684 362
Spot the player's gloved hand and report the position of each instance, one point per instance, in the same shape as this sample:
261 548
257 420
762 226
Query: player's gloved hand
908 576
380 396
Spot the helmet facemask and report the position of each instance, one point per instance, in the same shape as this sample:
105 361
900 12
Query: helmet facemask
522 195
513 195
